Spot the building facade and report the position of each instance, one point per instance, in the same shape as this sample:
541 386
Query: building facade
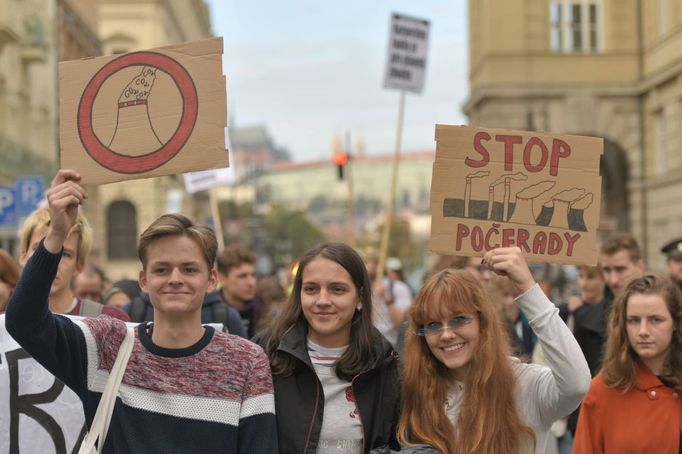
119 212
34 36
607 68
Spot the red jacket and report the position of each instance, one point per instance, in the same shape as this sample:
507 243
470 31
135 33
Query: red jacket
646 419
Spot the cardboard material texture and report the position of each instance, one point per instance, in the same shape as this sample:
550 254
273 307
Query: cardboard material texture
496 188
144 114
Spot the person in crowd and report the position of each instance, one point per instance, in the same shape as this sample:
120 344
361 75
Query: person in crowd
335 375
592 290
391 296
187 387
578 312
9 275
121 293
503 292
621 261
461 392
673 260
76 249
274 297
237 277
89 284
634 403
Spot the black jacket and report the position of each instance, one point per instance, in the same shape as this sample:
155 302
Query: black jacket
299 399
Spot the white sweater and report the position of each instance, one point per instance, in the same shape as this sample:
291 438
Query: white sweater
544 393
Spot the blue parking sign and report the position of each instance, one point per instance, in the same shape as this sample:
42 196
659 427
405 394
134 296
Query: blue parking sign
8 212
30 191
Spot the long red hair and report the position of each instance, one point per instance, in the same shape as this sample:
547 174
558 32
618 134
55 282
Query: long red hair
488 420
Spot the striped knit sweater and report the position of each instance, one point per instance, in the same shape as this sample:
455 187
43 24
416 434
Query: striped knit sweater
214 396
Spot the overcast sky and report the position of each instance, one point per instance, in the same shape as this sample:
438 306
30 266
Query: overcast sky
308 70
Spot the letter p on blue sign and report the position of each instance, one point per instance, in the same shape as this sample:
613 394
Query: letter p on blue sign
8 212
30 191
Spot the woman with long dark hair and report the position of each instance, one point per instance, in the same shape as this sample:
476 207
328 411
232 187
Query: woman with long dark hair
335 375
635 403
462 392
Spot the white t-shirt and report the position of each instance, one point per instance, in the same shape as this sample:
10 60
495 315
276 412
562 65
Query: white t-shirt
341 431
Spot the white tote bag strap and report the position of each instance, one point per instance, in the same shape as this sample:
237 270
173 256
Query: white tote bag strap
100 423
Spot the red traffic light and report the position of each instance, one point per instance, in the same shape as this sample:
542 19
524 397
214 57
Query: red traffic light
340 158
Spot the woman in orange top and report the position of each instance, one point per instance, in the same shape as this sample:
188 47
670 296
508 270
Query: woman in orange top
635 403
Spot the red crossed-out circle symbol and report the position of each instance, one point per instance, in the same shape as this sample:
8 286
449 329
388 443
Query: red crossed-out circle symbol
137 164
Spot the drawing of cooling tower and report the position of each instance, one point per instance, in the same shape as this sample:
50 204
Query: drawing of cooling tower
139 137
506 199
561 202
576 212
524 210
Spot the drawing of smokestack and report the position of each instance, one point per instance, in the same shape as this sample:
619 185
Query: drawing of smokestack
561 202
524 212
506 179
467 188
139 137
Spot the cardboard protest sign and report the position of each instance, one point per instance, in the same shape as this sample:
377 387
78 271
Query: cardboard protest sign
144 114
497 188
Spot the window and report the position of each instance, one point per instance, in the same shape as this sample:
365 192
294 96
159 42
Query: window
122 230
574 25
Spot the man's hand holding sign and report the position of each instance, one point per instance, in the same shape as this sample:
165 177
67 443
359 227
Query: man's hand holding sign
500 188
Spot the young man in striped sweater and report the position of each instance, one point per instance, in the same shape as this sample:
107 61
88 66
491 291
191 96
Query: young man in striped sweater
187 388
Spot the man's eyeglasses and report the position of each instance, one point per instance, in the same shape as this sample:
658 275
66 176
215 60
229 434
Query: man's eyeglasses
433 328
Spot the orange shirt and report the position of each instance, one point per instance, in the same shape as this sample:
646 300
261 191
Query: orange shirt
646 419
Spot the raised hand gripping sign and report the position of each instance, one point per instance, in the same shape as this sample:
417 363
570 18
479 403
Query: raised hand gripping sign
497 188
143 114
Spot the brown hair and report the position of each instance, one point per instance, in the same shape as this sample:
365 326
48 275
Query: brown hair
360 354
621 242
591 270
233 257
177 224
9 273
620 360
41 218
273 296
488 420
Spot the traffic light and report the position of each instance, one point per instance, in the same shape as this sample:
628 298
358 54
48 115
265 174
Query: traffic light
341 159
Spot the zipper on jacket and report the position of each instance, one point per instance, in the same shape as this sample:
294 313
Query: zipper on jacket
312 421
357 404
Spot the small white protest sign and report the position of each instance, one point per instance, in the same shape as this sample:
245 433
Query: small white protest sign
408 46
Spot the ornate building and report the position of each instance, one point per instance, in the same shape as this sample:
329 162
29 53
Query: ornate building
607 68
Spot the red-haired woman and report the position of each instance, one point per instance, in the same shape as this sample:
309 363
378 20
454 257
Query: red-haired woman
461 390
634 404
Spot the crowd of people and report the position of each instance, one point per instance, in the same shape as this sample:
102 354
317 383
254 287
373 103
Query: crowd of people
347 359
